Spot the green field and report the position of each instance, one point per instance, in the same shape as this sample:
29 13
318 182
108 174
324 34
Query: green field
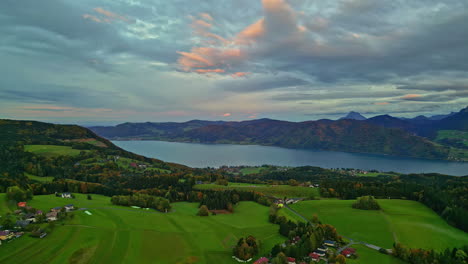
370 256
274 190
408 222
39 179
52 150
455 135
115 234
374 174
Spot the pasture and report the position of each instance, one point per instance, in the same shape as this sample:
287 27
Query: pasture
39 179
273 190
408 222
52 150
115 234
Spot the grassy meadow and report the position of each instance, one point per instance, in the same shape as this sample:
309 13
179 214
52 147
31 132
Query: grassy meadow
39 179
408 222
52 150
115 234
274 190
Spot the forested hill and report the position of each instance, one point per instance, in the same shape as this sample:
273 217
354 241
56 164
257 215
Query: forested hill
68 152
341 135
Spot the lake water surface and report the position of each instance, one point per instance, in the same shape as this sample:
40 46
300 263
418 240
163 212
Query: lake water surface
207 155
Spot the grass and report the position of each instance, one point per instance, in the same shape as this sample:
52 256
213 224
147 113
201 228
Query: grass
370 256
52 150
274 190
115 234
408 222
39 179
374 174
251 170
459 136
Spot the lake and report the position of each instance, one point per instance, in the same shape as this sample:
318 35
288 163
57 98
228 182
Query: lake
216 155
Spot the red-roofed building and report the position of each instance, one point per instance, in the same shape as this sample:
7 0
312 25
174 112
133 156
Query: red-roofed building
133 164
314 256
22 204
348 252
291 260
261 260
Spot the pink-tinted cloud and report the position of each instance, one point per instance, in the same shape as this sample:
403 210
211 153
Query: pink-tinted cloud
252 116
207 57
209 70
251 33
226 114
411 96
109 14
240 74
93 18
206 16
201 23
382 103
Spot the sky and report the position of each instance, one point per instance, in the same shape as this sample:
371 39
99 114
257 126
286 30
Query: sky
113 61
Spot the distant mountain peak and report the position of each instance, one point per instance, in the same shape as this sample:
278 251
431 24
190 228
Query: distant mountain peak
354 115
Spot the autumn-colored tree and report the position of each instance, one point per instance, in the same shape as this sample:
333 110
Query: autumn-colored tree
340 259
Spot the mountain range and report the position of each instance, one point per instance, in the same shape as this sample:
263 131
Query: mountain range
382 134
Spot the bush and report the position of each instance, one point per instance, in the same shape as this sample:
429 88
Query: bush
366 203
203 211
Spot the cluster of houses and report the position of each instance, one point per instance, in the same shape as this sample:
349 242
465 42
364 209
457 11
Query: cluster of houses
7 235
29 218
29 215
141 166
281 202
315 256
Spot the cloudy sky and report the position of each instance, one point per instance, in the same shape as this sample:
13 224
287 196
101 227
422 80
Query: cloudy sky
110 61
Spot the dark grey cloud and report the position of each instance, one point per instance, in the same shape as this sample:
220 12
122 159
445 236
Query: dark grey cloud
334 95
441 97
435 87
261 84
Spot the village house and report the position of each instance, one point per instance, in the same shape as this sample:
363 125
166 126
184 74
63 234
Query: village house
69 207
31 218
348 252
22 223
66 195
314 257
56 209
5 235
52 216
262 260
329 243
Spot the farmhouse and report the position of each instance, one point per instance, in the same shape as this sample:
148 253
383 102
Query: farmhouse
69 207
52 216
31 218
56 209
348 252
66 195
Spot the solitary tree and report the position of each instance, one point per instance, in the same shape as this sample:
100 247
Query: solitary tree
203 211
